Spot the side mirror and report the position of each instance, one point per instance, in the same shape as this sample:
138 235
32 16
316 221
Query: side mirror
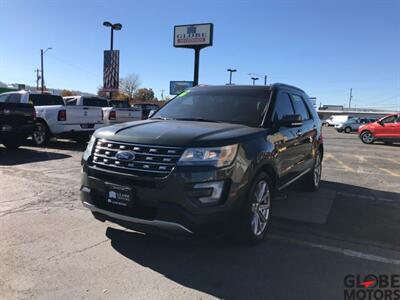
291 121
380 123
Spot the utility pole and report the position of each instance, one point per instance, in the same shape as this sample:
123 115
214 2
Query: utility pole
37 79
265 79
162 94
351 96
41 67
42 52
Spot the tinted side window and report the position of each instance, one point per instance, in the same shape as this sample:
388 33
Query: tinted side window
3 98
283 106
300 107
390 119
14 98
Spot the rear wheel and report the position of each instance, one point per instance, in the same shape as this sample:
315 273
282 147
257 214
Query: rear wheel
255 218
313 179
367 137
40 134
347 129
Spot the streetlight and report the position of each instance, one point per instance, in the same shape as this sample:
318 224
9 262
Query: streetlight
116 26
258 75
42 52
230 74
254 80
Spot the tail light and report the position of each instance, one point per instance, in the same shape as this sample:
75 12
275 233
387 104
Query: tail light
62 115
112 115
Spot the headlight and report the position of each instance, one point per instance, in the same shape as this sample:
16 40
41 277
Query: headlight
89 148
216 156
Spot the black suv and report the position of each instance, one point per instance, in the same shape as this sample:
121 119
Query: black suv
208 161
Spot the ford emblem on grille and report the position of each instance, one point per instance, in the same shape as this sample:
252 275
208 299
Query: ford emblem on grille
125 155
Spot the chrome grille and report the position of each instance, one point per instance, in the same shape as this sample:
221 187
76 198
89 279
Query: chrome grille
150 160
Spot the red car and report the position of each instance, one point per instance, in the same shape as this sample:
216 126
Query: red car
386 129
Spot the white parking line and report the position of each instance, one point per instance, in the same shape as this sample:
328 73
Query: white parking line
342 251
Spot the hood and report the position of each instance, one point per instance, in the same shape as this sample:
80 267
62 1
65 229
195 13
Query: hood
178 133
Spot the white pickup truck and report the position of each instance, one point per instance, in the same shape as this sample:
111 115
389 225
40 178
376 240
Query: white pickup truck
53 118
114 111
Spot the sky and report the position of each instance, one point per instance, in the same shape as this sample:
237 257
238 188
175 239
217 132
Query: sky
324 47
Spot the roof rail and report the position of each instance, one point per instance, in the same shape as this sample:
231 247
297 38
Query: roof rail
286 85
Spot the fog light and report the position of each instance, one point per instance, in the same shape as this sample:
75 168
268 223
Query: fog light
215 189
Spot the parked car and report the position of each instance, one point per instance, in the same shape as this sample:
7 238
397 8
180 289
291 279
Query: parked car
208 161
114 111
337 119
352 124
386 129
17 120
146 108
53 118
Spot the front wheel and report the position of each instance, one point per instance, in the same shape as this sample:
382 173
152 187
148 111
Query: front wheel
255 217
367 137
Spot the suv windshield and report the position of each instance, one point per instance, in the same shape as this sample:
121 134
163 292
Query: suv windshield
242 106
45 100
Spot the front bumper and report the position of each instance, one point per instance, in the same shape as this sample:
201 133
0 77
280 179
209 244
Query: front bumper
167 204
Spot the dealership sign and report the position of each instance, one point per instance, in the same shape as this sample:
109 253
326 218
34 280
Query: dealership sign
177 87
111 71
193 36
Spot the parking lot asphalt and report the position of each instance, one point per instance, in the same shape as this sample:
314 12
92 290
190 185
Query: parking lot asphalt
52 248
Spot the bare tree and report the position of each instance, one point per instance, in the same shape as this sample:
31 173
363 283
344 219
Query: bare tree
129 84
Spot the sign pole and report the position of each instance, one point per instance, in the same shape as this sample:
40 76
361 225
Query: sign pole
196 66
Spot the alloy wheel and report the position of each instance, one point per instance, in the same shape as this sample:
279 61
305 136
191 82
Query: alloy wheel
317 170
367 137
260 208
39 135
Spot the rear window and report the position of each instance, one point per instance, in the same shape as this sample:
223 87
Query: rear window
45 100
98 102
119 104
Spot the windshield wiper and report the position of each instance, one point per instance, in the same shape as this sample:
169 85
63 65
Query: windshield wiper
197 119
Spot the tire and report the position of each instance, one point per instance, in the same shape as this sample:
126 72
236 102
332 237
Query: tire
255 217
347 129
367 137
40 135
12 144
313 179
